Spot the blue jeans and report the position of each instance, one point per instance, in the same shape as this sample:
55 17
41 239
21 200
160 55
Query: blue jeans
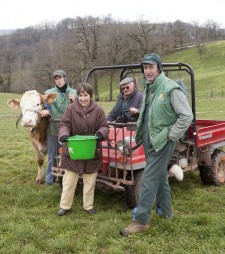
52 150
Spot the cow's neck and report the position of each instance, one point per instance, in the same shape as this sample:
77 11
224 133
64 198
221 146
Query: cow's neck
40 131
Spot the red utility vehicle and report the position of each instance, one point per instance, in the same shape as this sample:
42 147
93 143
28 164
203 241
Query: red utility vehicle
123 161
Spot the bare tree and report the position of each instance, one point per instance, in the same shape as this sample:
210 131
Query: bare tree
89 33
142 37
180 34
212 30
115 51
2 88
9 58
78 44
198 34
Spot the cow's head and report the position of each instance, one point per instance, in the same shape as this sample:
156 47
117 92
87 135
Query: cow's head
31 104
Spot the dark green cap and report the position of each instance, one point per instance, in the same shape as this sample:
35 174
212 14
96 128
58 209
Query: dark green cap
152 58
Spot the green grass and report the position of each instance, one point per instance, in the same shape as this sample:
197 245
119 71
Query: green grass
29 222
209 70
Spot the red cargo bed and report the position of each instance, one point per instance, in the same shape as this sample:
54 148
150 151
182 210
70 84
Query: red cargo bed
209 132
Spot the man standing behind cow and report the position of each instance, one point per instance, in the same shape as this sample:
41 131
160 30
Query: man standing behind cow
65 96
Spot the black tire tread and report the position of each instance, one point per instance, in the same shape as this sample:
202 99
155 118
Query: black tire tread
132 191
208 174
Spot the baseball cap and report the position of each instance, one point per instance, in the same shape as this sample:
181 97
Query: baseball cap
152 58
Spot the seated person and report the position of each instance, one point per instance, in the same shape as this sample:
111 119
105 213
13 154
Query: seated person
128 103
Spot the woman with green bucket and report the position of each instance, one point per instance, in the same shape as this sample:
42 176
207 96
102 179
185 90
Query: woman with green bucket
82 122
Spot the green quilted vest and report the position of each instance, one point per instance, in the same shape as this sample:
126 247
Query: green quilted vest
161 113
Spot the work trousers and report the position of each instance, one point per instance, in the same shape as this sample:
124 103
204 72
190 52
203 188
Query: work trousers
155 184
70 180
52 150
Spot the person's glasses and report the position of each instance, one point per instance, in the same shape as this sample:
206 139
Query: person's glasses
125 87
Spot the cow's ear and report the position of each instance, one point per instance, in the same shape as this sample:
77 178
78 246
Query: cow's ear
13 103
49 98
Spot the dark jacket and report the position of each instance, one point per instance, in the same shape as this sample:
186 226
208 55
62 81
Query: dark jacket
77 121
121 105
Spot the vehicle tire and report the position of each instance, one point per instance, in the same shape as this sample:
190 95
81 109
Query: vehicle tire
131 194
215 174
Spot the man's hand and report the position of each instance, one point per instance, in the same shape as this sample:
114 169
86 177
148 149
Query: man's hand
134 111
71 97
44 113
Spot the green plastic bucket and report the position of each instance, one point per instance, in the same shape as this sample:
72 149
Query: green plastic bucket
81 147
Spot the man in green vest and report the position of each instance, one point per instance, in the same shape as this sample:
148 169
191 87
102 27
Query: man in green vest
65 96
164 117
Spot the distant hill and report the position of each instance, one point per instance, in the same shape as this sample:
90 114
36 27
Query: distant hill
6 31
209 69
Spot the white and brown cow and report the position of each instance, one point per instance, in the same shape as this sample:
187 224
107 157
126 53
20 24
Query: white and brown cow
31 104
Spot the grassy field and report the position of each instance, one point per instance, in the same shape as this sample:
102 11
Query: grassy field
29 222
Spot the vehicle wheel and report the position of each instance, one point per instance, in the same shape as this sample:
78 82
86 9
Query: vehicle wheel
214 174
131 194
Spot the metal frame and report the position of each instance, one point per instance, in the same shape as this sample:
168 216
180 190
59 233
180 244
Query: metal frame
167 67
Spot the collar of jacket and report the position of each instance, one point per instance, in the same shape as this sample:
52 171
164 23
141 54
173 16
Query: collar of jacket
127 98
152 86
83 111
63 88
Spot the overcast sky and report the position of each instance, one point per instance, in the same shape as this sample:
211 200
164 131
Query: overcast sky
24 13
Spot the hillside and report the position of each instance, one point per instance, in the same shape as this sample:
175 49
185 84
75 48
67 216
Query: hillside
209 77
209 70
29 56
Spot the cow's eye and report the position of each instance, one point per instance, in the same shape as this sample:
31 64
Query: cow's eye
38 104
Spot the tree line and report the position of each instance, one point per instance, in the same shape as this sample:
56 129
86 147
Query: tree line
29 56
